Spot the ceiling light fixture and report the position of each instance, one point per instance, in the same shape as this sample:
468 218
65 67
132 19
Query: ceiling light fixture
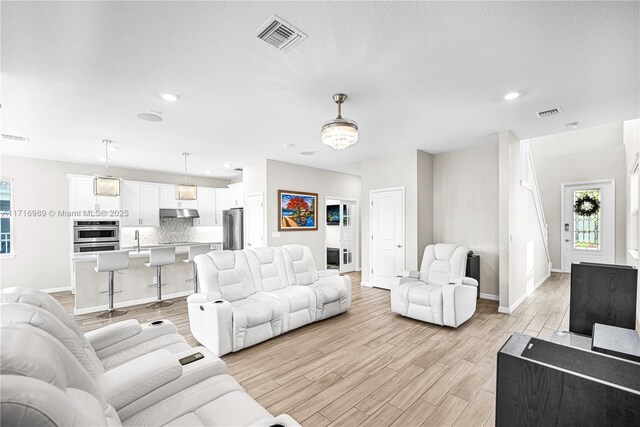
151 116
288 145
339 133
227 165
572 125
169 97
208 172
186 191
106 185
512 95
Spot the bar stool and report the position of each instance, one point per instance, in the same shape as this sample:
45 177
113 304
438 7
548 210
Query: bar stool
194 251
157 258
111 262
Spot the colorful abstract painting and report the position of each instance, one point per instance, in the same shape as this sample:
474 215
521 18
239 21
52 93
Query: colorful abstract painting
297 211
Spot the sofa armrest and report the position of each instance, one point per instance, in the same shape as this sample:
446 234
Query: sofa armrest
148 332
131 381
108 335
410 273
469 281
204 297
211 322
458 304
328 273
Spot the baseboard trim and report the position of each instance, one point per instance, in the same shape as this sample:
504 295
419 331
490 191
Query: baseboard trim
60 289
366 284
541 281
556 270
96 308
491 297
512 307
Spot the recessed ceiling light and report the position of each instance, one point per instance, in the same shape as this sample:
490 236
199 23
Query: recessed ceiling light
208 172
169 97
307 153
227 165
512 95
288 145
572 125
151 116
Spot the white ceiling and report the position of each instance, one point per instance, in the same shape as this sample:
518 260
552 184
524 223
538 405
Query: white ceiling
418 75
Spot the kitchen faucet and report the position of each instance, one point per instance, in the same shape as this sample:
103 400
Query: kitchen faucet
137 237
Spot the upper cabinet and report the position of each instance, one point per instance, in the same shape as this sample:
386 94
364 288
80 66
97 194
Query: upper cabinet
236 195
168 199
82 199
142 201
206 206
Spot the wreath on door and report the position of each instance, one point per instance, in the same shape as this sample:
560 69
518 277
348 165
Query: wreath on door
586 205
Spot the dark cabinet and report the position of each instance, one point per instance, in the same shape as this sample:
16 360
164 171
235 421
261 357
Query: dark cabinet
473 269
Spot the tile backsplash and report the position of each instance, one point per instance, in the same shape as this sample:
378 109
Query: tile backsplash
171 230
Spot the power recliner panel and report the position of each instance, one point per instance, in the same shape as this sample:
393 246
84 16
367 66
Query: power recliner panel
252 295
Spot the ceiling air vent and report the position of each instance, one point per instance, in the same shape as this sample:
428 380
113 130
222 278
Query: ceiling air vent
15 138
549 113
280 34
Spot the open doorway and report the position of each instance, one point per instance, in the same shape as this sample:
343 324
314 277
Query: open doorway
341 234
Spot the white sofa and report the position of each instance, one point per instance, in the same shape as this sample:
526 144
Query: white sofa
249 296
42 383
438 293
146 388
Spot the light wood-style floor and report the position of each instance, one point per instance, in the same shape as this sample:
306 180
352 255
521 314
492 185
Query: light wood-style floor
371 367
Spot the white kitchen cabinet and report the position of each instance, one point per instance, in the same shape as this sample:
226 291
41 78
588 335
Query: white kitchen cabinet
82 199
168 199
236 195
142 201
222 203
206 206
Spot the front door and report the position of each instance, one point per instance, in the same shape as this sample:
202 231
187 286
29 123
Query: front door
588 236
387 236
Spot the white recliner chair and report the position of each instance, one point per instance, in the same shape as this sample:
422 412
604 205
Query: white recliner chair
439 293
113 344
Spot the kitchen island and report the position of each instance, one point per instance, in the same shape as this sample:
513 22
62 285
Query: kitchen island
135 285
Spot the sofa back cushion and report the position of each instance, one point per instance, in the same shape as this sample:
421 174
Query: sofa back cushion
443 263
43 384
226 272
38 318
268 269
301 269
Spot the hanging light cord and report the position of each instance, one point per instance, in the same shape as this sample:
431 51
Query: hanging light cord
106 155
185 166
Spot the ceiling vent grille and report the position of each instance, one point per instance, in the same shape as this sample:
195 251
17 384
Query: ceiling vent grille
280 34
549 113
15 137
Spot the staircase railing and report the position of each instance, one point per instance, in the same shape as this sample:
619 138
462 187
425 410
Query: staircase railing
531 183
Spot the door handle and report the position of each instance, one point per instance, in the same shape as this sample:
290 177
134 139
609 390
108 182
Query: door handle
566 240
398 246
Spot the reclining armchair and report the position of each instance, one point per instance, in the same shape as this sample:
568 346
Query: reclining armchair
438 293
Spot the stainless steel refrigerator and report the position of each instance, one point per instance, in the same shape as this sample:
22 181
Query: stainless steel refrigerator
232 229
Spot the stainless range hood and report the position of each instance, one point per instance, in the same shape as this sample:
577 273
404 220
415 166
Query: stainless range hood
179 213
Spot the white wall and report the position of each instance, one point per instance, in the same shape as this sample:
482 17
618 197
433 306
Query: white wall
465 205
631 137
580 155
400 170
287 176
42 244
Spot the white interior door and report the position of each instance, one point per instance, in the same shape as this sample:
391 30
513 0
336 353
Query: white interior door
387 236
588 238
348 218
254 221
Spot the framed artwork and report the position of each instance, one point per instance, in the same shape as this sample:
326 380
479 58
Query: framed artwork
297 211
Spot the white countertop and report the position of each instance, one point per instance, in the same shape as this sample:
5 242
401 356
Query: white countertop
181 249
